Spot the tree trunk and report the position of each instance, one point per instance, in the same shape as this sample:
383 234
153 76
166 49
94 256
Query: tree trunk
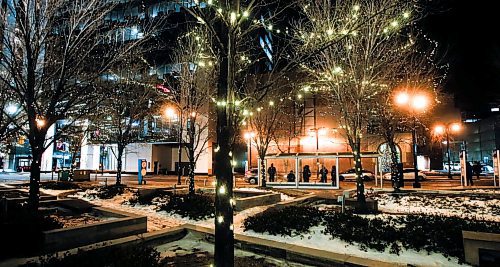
224 237
121 147
191 171
394 164
360 187
263 170
37 142
34 192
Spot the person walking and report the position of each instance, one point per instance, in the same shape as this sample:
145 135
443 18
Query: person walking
468 174
334 175
306 173
324 174
272 172
476 168
290 177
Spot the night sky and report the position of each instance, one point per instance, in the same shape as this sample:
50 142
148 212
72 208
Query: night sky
469 34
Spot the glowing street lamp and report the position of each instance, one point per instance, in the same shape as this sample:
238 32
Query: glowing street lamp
446 129
172 114
416 102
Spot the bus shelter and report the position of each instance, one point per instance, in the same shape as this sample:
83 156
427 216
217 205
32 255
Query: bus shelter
339 162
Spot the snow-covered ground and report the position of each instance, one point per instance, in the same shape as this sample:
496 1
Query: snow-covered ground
193 243
481 208
316 239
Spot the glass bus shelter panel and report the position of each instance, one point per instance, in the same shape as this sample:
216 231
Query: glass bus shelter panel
283 167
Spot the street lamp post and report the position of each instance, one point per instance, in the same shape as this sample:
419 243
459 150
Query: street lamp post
416 102
454 127
248 136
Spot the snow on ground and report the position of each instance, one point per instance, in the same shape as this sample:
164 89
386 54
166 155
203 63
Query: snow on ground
481 208
158 220
53 192
316 239
193 243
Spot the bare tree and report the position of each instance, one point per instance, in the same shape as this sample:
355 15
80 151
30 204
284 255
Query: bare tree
54 50
130 94
192 88
354 71
420 70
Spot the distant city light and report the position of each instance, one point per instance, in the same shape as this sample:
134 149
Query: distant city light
495 109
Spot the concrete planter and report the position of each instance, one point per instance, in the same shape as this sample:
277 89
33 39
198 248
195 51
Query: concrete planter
371 204
259 200
123 224
478 244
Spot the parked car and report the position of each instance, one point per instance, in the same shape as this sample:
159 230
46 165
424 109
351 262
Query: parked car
408 174
454 166
351 175
487 169
23 168
252 176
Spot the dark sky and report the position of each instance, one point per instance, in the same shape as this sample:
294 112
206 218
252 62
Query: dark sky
469 34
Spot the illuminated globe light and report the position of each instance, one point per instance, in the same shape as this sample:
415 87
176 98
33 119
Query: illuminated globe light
170 112
40 122
11 109
245 14
406 15
419 102
456 127
329 32
402 98
439 129
271 103
394 23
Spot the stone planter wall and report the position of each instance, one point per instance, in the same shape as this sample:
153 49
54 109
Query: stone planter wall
476 242
254 201
123 224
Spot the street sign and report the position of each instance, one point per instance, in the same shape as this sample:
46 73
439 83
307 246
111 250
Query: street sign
496 167
463 168
141 170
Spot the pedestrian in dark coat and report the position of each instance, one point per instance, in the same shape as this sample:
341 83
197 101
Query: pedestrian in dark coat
476 168
290 177
272 172
468 174
334 175
324 174
306 173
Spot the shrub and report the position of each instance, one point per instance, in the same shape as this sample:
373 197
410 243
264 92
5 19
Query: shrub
368 233
195 207
286 222
134 256
146 199
431 233
107 192
440 233
59 185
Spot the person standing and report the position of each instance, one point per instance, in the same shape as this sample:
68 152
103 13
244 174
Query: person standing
290 177
272 172
324 174
334 175
468 174
306 173
477 169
